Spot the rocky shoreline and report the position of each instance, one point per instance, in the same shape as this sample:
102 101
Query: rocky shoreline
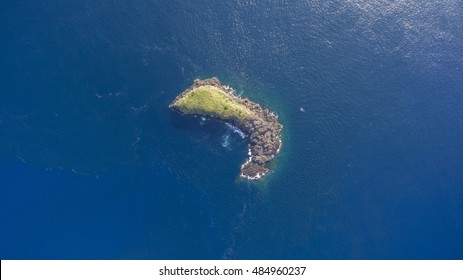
262 126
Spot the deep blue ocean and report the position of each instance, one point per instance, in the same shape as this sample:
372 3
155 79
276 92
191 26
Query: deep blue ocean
93 164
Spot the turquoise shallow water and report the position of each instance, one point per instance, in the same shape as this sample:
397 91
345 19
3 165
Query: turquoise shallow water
94 164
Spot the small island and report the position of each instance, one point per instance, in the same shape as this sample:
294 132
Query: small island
209 98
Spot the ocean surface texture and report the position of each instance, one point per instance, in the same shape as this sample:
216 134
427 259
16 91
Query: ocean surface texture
93 165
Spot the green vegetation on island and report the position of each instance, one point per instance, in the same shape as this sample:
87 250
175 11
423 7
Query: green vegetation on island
212 101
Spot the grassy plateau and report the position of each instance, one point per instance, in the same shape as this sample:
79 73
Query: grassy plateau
214 102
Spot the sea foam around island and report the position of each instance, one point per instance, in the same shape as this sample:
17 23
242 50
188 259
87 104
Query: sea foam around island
231 129
237 130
